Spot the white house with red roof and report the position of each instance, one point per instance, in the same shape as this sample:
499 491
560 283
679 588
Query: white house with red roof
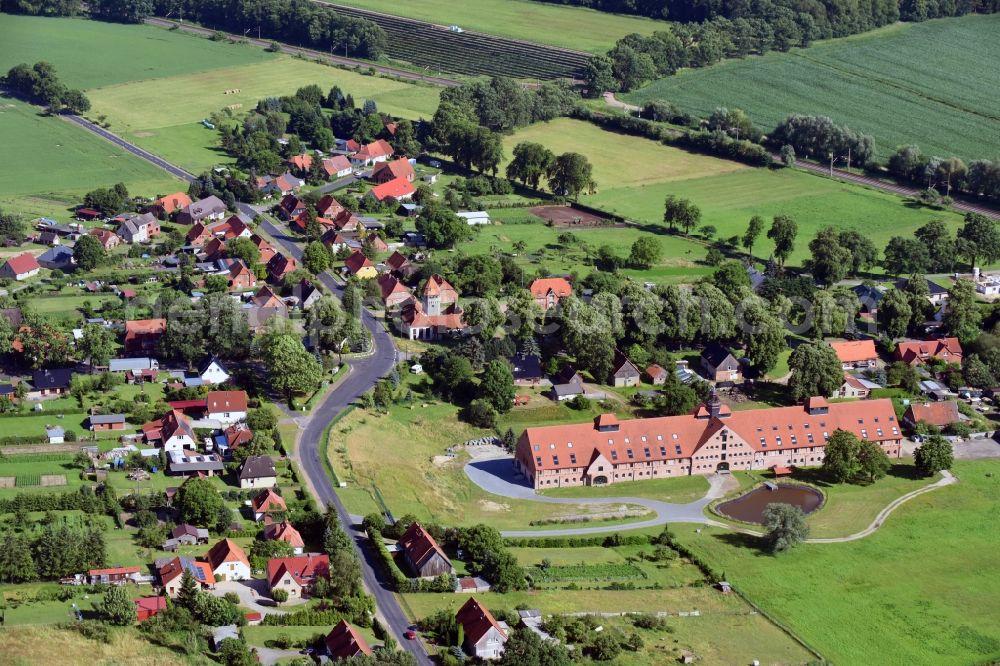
920 351
228 561
171 571
171 433
712 439
855 353
485 638
372 153
284 531
386 171
296 574
337 166
21 267
226 406
397 189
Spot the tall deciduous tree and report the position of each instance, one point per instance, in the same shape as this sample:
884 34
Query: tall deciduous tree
754 229
786 527
96 345
873 463
982 239
570 174
816 371
88 253
678 211
530 164
118 607
291 369
894 314
933 456
783 231
962 317
830 261
198 502
840 456
864 254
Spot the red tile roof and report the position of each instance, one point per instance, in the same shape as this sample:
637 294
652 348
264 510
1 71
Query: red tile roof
344 642
198 234
266 298
375 150
854 351
231 228
303 161
397 188
23 263
284 531
329 207
940 414
113 570
678 437
396 261
226 551
477 621
269 501
391 286
394 169
419 545
357 261
559 286
655 371
438 286
303 568
226 401
151 604
173 202
917 352
336 164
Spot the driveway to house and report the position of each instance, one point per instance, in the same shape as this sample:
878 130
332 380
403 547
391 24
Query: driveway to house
497 476
268 656
254 595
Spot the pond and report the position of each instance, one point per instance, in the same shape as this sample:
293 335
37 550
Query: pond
750 507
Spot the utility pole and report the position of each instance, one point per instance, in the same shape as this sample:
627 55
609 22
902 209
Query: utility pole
831 165
848 159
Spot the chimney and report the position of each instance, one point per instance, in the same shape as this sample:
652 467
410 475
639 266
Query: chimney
714 404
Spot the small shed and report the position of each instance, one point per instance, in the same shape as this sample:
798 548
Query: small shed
56 435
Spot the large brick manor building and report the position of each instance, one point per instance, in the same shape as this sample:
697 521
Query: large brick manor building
712 439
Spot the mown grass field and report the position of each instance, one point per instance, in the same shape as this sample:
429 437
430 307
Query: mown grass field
921 590
634 176
679 491
59 162
568 27
164 115
24 646
922 83
746 636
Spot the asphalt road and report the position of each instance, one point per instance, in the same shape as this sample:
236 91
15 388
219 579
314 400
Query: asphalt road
365 372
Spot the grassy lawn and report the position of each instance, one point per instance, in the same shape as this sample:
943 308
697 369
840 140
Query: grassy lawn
680 490
568 27
921 590
88 54
260 635
926 73
747 636
66 161
402 455
164 115
24 646
727 194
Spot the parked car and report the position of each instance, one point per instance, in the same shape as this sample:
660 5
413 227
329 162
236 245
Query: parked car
454 28
410 635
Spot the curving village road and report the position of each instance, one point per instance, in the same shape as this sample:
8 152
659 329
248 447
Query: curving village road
364 373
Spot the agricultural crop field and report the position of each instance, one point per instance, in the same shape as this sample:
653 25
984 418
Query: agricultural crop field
59 162
634 175
922 83
555 25
900 596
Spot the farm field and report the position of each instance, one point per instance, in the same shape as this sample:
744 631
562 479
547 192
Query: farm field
568 27
65 163
900 596
728 195
920 83
164 115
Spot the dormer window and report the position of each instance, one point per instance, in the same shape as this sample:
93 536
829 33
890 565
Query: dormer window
629 453
555 460
614 455
572 458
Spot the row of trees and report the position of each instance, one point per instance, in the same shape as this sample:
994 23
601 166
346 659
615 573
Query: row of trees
979 177
54 552
39 84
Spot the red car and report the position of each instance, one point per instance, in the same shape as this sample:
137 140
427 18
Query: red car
410 635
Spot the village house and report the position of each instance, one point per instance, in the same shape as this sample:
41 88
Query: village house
209 208
291 207
266 250
258 472
295 575
133 364
199 235
228 561
360 266
300 164
147 607
240 277
720 365
188 463
435 314
547 292
170 204
337 242
712 439
114 576
423 555
139 229
386 171
105 422
213 250
226 406
21 267
59 258
938 414
375 241
305 295
372 153
109 239
171 570
344 642
337 166
854 387
526 368
870 297
623 371
920 351
142 336
279 266
284 531
185 535
399 264
395 190
567 384
329 207
484 636
234 437
171 433
212 372
394 293
267 502
50 382
234 227
657 375
856 353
